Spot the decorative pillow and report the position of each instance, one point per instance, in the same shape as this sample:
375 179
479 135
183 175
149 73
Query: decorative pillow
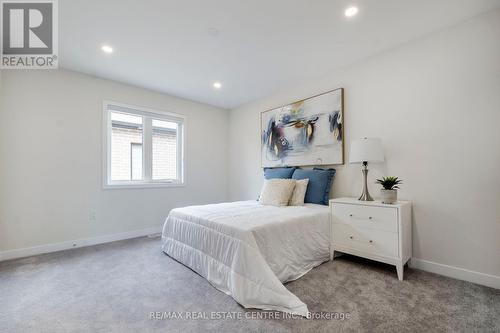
320 183
277 192
299 192
272 173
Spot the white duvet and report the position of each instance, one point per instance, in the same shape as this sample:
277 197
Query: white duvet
248 250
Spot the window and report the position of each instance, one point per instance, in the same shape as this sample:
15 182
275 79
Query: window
143 148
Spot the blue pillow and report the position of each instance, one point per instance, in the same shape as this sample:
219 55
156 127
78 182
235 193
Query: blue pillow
285 173
320 183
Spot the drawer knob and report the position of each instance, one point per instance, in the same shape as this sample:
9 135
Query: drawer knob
351 237
371 241
370 217
350 215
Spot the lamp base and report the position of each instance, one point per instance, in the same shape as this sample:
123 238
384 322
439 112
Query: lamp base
365 196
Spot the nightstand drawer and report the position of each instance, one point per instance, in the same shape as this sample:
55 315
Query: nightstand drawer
366 240
378 218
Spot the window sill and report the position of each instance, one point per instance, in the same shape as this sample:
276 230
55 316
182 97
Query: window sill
141 185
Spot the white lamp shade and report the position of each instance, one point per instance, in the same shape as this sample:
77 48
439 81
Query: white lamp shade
366 150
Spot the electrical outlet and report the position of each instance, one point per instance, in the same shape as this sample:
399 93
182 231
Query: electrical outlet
92 216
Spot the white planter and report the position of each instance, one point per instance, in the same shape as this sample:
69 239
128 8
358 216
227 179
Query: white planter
389 196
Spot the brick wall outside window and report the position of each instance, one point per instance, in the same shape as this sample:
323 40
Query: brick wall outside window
121 139
164 153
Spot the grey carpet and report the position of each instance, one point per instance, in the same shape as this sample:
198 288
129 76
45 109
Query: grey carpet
114 287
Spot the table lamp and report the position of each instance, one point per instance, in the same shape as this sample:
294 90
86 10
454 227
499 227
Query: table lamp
363 151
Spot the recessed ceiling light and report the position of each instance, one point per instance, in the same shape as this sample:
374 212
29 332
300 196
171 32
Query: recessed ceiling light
107 49
351 11
217 85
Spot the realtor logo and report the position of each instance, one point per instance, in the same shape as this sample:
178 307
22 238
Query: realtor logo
29 34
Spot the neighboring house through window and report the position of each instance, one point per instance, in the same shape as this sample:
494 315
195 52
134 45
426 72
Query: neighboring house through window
143 147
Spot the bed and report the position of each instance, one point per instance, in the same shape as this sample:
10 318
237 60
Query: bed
248 250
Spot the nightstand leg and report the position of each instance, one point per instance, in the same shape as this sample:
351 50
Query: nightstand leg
400 269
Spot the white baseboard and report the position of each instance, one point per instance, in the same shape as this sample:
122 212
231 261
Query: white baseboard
488 280
54 247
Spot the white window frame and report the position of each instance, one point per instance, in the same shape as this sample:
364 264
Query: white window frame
147 146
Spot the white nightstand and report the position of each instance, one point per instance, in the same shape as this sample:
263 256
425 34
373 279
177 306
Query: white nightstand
372 230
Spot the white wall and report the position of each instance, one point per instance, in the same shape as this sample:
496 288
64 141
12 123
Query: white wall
50 154
435 103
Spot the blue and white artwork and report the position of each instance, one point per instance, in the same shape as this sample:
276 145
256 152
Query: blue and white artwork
308 132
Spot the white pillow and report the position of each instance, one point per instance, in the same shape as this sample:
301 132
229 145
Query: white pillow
277 192
299 192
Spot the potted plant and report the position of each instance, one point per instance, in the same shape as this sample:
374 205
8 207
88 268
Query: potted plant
389 193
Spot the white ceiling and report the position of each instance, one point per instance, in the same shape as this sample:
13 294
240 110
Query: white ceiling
261 46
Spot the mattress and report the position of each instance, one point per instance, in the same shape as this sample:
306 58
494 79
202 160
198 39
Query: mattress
248 250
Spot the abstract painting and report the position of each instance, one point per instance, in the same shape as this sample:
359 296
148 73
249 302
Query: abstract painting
307 132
